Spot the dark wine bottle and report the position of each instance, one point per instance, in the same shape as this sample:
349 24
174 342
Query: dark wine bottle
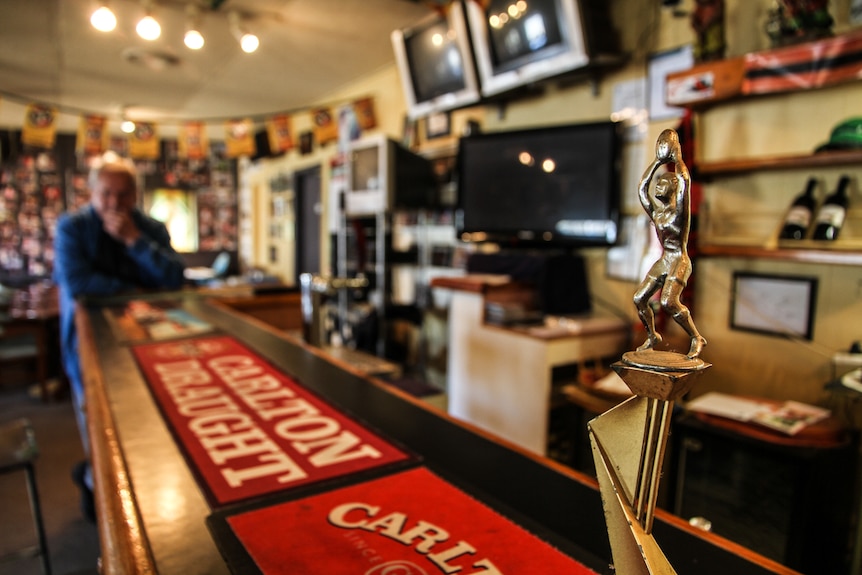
799 216
830 216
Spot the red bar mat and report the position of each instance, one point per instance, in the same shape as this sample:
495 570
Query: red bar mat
248 430
407 523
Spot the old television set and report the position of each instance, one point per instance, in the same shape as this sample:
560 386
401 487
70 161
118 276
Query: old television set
520 43
435 63
551 186
384 175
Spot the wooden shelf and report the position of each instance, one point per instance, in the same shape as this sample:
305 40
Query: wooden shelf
719 82
812 256
786 162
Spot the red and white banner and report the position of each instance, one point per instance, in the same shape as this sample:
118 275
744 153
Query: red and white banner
248 429
408 523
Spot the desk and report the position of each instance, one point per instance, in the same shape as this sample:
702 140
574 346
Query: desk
152 514
500 378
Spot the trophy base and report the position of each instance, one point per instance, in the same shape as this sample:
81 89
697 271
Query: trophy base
654 360
664 375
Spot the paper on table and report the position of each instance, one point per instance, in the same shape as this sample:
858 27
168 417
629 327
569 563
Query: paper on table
789 416
612 383
725 405
853 379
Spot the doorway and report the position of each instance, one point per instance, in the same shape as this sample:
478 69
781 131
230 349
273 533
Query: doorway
308 210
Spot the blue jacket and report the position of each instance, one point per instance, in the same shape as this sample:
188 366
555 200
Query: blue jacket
88 262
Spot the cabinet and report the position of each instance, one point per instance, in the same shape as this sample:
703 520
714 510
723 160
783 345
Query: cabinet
756 147
791 503
399 252
425 247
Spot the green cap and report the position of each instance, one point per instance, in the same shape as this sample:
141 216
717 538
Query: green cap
845 136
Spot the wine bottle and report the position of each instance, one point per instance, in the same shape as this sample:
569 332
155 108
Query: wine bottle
799 216
830 216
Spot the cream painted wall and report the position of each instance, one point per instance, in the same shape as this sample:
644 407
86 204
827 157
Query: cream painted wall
384 87
744 363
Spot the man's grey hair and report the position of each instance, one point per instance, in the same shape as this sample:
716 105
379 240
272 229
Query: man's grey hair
111 163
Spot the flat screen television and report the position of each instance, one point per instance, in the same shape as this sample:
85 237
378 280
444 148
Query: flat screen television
553 186
435 63
517 43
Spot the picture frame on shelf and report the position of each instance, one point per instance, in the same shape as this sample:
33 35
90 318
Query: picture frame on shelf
438 125
408 133
773 304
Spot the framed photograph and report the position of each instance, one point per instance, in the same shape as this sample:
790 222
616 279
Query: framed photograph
660 65
438 125
408 134
775 305
306 143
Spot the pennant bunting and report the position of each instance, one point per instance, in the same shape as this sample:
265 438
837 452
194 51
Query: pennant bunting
239 139
40 126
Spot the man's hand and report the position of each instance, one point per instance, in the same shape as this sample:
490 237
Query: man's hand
121 227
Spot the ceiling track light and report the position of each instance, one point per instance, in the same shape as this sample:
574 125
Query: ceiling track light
148 27
247 41
193 39
103 19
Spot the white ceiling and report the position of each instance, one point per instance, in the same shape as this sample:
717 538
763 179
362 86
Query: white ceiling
50 53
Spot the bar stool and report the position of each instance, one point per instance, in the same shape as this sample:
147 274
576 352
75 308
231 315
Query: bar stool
18 450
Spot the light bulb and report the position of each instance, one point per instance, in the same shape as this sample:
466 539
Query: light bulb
249 43
103 19
194 40
127 126
148 28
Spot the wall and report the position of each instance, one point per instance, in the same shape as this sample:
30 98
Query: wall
743 363
385 88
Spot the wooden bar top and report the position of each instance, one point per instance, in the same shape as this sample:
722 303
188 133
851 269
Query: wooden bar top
152 513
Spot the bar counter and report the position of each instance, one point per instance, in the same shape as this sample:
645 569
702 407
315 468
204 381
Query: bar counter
152 514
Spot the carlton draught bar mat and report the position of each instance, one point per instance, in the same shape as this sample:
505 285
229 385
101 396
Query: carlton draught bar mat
247 429
408 523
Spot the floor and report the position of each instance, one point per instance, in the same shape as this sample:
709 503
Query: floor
72 541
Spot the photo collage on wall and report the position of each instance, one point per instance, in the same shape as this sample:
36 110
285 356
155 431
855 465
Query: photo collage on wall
217 204
31 200
202 191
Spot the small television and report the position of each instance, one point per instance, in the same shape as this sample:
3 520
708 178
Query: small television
384 175
552 186
520 43
435 63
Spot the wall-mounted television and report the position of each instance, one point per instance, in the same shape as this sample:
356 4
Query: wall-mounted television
552 186
384 175
519 43
436 64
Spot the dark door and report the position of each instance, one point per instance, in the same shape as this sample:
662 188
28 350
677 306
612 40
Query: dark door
308 212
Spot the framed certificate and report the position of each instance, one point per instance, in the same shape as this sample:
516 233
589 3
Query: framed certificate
778 305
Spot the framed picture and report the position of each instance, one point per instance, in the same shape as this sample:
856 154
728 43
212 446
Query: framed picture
776 305
306 143
408 134
659 66
438 125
